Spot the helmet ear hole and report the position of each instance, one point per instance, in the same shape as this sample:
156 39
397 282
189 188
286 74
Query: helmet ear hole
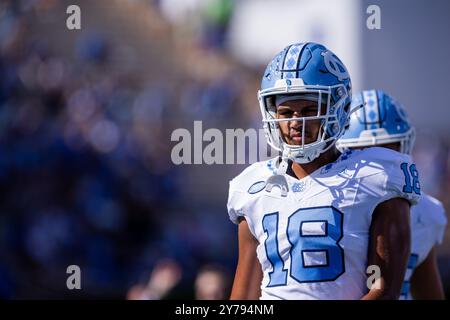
270 105
347 110
347 107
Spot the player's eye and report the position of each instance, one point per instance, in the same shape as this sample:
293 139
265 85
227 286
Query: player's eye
309 113
285 112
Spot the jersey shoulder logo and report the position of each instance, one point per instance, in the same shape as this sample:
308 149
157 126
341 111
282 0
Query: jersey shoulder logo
256 187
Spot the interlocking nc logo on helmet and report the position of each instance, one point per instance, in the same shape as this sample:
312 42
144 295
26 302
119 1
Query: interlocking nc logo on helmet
334 66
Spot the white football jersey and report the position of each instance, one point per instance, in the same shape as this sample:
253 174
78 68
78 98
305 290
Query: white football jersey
428 222
313 242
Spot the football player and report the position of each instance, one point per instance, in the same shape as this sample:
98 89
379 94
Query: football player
312 220
383 122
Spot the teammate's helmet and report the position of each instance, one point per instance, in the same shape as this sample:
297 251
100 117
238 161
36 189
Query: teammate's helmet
312 71
382 120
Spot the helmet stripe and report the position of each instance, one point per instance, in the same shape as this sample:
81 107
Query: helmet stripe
284 60
291 60
371 109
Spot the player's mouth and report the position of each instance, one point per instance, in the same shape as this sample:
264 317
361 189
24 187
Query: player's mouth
295 135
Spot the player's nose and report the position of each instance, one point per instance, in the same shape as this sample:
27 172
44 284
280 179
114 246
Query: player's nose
297 114
295 121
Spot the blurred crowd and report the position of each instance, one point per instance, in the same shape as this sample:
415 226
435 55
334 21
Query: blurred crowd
85 170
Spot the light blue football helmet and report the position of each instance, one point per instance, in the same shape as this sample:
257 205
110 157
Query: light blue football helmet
381 120
306 71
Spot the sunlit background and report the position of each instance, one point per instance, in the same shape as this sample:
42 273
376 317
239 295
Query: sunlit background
86 116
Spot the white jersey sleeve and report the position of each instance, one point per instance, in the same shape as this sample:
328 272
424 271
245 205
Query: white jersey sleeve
428 222
434 216
403 179
234 204
250 181
393 172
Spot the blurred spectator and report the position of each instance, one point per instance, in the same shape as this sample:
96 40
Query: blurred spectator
164 277
211 283
138 292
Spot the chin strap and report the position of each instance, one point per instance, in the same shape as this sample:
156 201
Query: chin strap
279 179
283 164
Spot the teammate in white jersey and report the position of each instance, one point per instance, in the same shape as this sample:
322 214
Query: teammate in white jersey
312 220
383 122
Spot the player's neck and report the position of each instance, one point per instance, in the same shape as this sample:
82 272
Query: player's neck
305 169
